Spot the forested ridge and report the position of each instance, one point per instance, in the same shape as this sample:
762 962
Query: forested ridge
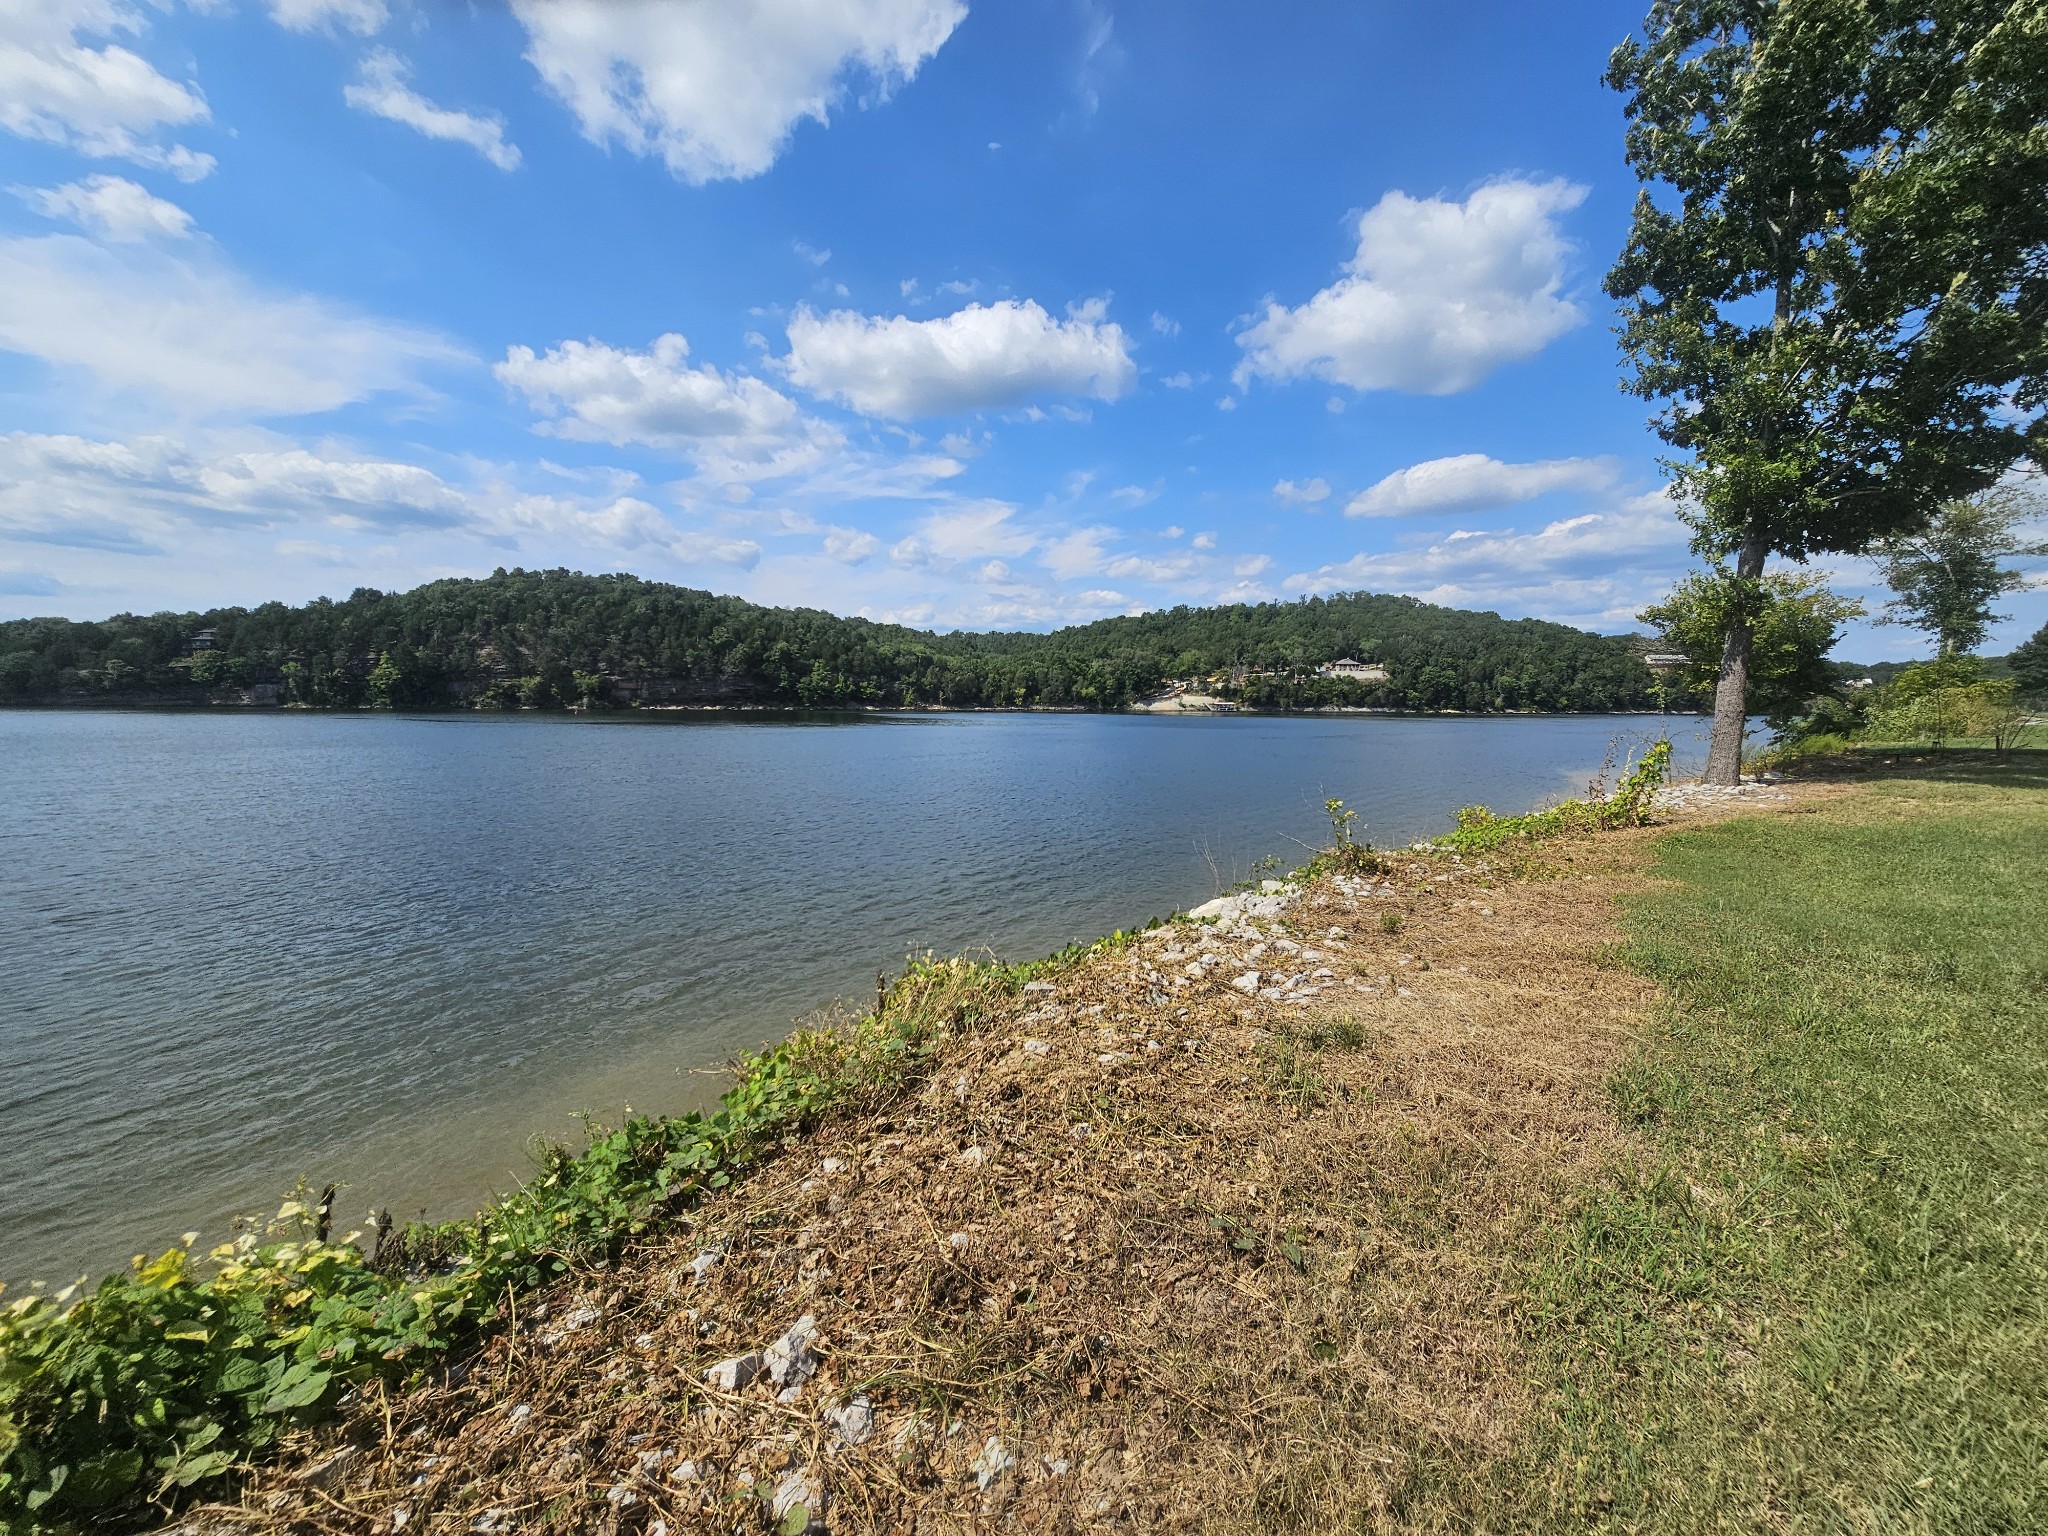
546 639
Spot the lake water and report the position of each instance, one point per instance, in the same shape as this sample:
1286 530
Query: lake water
238 949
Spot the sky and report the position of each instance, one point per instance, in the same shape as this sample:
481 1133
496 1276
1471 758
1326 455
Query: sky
943 312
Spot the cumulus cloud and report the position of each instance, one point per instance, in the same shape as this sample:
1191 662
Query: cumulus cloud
593 392
625 524
382 91
1437 297
69 490
362 17
195 335
1474 482
111 207
1304 494
152 494
851 545
105 101
1596 569
716 90
982 356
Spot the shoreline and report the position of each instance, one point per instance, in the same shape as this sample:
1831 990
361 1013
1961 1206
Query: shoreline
1017 1114
161 707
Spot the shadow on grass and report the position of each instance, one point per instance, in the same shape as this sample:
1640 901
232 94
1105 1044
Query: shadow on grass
2014 768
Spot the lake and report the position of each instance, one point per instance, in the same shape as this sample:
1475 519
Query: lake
240 949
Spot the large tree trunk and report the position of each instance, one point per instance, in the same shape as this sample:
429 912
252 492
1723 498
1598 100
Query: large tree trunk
1731 692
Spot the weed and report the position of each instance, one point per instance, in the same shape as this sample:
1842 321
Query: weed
1478 830
1345 1033
1289 1062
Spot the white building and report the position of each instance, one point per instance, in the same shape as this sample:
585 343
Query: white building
1357 671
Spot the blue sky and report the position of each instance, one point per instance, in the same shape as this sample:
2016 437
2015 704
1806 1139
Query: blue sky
931 310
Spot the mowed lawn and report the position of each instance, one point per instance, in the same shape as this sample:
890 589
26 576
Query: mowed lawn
1820 1301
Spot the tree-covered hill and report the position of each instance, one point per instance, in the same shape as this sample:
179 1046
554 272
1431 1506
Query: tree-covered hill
550 638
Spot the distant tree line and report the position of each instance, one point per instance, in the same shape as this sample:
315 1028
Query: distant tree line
550 639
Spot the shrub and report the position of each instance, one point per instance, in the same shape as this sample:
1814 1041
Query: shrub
1480 831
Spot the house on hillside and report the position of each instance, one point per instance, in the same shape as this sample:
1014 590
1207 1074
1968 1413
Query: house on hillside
202 640
1355 671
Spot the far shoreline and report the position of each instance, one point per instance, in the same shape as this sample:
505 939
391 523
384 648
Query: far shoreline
1332 711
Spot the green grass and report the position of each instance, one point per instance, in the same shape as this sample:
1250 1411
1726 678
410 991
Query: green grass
1822 1304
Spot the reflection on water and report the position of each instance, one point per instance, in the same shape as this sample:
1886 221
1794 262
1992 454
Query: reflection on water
244 948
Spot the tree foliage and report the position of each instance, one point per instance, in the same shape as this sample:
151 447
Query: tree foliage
2029 666
540 639
1796 621
1949 573
1836 280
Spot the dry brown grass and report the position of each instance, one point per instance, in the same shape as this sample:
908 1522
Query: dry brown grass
1190 1259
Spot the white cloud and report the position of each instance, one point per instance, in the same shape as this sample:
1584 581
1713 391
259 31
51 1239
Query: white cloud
964 532
105 101
196 335
137 495
811 253
982 356
1165 325
1181 380
1082 552
312 550
111 207
156 494
625 524
1438 296
851 545
363 17
1473 482
592 392
1252 565
716 89
1305 494
1226 403
1596 569
1203 541
382 91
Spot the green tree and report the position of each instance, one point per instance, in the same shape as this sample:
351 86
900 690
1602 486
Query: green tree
1949 573
2030 665
1794 623
386 682
1835 279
